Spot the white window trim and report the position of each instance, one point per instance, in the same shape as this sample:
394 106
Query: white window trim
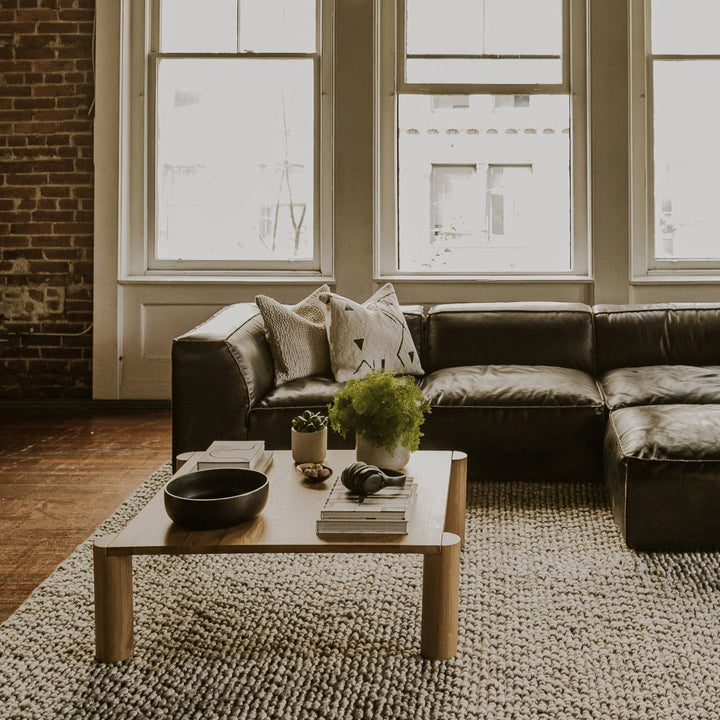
388 83
645 267
136 173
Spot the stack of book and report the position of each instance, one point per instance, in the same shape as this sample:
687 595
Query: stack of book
387 511
249 454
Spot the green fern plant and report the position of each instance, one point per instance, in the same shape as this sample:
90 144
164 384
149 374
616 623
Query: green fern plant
387 409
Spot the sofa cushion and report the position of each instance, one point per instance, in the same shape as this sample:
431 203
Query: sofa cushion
517 422
660 334
662 469
296 336
511 385
661 385
510 333
371 336
270 419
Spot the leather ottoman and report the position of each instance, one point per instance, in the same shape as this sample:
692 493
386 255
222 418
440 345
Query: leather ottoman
662 469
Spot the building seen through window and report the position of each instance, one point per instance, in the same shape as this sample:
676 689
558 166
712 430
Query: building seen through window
481 189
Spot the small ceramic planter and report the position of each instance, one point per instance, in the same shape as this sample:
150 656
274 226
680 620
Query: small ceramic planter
308 447
373 455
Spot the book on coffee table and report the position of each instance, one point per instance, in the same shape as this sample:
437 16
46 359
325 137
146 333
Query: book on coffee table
386 511
248 454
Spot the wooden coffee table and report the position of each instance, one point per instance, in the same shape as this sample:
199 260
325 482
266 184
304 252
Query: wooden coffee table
287 524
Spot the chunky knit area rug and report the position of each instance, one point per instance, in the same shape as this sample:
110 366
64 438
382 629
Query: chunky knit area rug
558 620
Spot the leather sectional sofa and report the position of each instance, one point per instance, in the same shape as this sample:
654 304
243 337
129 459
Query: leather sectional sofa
541 391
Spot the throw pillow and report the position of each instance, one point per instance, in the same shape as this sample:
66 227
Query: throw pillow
371 336
296 335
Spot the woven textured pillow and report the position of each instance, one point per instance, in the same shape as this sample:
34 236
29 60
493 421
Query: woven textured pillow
371 336
296 335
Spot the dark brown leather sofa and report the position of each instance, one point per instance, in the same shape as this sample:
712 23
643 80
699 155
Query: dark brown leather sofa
541 391
511 384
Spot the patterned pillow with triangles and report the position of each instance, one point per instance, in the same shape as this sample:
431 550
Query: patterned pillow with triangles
371 336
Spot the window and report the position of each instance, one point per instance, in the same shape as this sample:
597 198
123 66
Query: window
676 67
494 160
508 101
449 102
238 136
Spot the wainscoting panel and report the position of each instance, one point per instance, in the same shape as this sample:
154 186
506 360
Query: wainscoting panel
150 322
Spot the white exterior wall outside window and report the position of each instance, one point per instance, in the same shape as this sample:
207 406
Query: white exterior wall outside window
462 84
675 117
236 171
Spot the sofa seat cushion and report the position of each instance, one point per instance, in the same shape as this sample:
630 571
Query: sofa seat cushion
511 385
661 385
662 469
517 422
270 420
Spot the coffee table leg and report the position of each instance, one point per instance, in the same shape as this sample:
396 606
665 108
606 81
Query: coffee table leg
114 639
457 494
441 583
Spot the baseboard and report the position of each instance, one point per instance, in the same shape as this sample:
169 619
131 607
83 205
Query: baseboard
84 404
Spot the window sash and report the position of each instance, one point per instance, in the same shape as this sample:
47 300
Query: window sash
403 86
642 165
390 49
142 258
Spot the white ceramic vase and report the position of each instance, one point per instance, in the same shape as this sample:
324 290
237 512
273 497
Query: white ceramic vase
308 447
373 455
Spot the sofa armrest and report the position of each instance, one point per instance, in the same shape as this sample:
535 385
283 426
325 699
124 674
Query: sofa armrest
220 369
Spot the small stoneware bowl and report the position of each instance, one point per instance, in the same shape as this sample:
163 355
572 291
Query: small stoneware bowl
314 473
207 499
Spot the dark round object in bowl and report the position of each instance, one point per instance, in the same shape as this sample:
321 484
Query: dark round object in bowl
207 499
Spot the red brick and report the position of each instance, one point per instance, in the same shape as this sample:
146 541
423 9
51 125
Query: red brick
33 179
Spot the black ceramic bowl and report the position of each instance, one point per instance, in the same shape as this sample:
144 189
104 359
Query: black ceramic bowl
207 499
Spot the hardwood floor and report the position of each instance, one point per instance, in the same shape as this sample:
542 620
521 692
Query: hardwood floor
62 472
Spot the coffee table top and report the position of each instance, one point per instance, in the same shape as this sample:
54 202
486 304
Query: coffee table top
287 523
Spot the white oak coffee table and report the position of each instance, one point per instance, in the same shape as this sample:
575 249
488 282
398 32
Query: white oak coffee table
287 524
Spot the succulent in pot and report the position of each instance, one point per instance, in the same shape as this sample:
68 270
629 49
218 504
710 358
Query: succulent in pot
385 410
308 437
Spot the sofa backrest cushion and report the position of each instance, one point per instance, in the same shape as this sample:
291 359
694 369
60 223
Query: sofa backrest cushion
661 334
512 333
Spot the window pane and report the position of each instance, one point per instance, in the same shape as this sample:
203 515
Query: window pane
484 29
235 160
190 26
523 27
687 157
453 27
690 26
277 25
484 188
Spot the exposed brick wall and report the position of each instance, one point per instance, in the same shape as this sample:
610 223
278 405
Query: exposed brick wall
46 196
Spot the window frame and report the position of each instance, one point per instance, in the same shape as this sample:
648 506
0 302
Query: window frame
138 177
644 265
390 83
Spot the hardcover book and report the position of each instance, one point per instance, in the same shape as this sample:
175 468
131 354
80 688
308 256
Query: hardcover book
363 527
233 453
386 512
390 503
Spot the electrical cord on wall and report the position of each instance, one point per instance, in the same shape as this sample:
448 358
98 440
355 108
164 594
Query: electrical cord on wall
46 334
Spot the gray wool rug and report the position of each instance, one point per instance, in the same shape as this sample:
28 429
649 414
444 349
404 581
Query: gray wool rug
558 620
